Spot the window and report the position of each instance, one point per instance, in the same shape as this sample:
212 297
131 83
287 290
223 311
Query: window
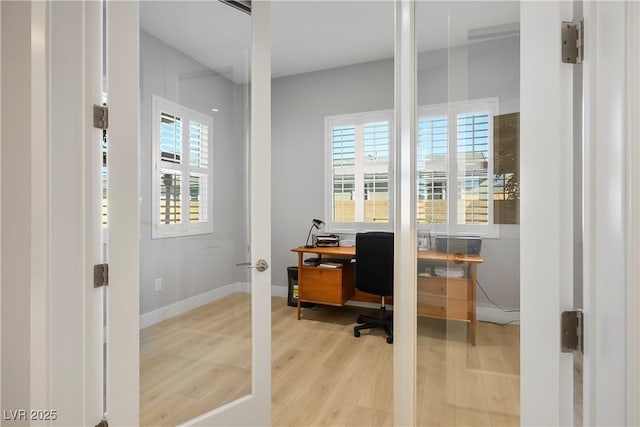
182 199
359 170
454 167
455 183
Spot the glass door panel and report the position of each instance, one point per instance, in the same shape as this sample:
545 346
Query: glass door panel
195 299
467 168
333 131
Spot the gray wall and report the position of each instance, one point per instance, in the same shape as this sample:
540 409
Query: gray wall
300 104
189 266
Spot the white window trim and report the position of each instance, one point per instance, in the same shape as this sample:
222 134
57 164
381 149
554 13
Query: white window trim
160 230
451 110
350 119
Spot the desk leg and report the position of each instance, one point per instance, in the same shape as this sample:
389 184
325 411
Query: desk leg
299 282
472 301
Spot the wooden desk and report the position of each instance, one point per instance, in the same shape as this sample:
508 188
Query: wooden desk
440 297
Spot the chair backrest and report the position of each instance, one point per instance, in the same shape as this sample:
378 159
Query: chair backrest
374 262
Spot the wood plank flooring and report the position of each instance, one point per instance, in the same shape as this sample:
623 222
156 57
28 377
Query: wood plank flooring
321 374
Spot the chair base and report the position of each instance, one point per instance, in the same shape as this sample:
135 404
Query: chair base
368 322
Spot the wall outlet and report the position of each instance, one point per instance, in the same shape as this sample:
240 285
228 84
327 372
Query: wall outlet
158 286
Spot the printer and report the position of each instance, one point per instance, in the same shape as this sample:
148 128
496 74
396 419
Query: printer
466 245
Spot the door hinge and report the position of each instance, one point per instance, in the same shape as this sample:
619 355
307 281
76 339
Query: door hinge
573 42
100 275
100 116
103 423
572 331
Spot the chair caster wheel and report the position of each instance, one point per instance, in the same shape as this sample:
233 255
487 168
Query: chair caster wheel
389 340
356 333
360 320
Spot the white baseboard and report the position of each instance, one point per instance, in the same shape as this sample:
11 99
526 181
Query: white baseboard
171 310
368 304
484 313
493 314
280 291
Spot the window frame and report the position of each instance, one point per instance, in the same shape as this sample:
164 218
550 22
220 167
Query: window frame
160 230
356 119
451 111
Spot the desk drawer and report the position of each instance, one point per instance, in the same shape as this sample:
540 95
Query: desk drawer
442 286
321 285
429 305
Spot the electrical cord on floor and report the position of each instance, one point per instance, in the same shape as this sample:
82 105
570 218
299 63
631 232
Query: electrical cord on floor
501 308
492 302
501 324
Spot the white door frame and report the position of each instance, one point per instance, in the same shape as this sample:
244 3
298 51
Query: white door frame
611 212
546 229
123 95
51 143
404 205
610 201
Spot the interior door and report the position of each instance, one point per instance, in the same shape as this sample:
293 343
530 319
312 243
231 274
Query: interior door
535 388
131 201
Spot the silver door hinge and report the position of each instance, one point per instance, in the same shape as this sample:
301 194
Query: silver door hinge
572 331
100 275
100 116
573 42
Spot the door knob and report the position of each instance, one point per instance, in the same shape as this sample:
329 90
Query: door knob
261 265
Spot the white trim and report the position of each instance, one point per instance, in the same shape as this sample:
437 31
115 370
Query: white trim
40 386
404 208
451 111
486 313
546 244
611 132
184 169
94 331
357 120
365 304
123 92
163 313
279 291
633 214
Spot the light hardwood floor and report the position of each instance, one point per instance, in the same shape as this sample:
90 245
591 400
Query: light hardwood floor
321 374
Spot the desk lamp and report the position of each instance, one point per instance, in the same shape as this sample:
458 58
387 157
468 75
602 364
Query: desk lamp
317 224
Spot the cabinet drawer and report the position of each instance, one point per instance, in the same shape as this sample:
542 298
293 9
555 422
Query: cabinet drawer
429 305
322 285
442 286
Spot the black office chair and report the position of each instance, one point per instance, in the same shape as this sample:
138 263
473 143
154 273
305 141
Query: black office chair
374 275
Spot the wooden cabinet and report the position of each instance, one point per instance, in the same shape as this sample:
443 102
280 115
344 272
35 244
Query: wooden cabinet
446 298
451 298
332 286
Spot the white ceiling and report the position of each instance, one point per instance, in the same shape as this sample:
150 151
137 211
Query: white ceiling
311 35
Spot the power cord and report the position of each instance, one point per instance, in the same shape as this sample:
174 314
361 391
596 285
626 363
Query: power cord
500 307
492 302
501 324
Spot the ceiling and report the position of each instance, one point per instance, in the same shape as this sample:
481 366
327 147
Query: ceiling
311 35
